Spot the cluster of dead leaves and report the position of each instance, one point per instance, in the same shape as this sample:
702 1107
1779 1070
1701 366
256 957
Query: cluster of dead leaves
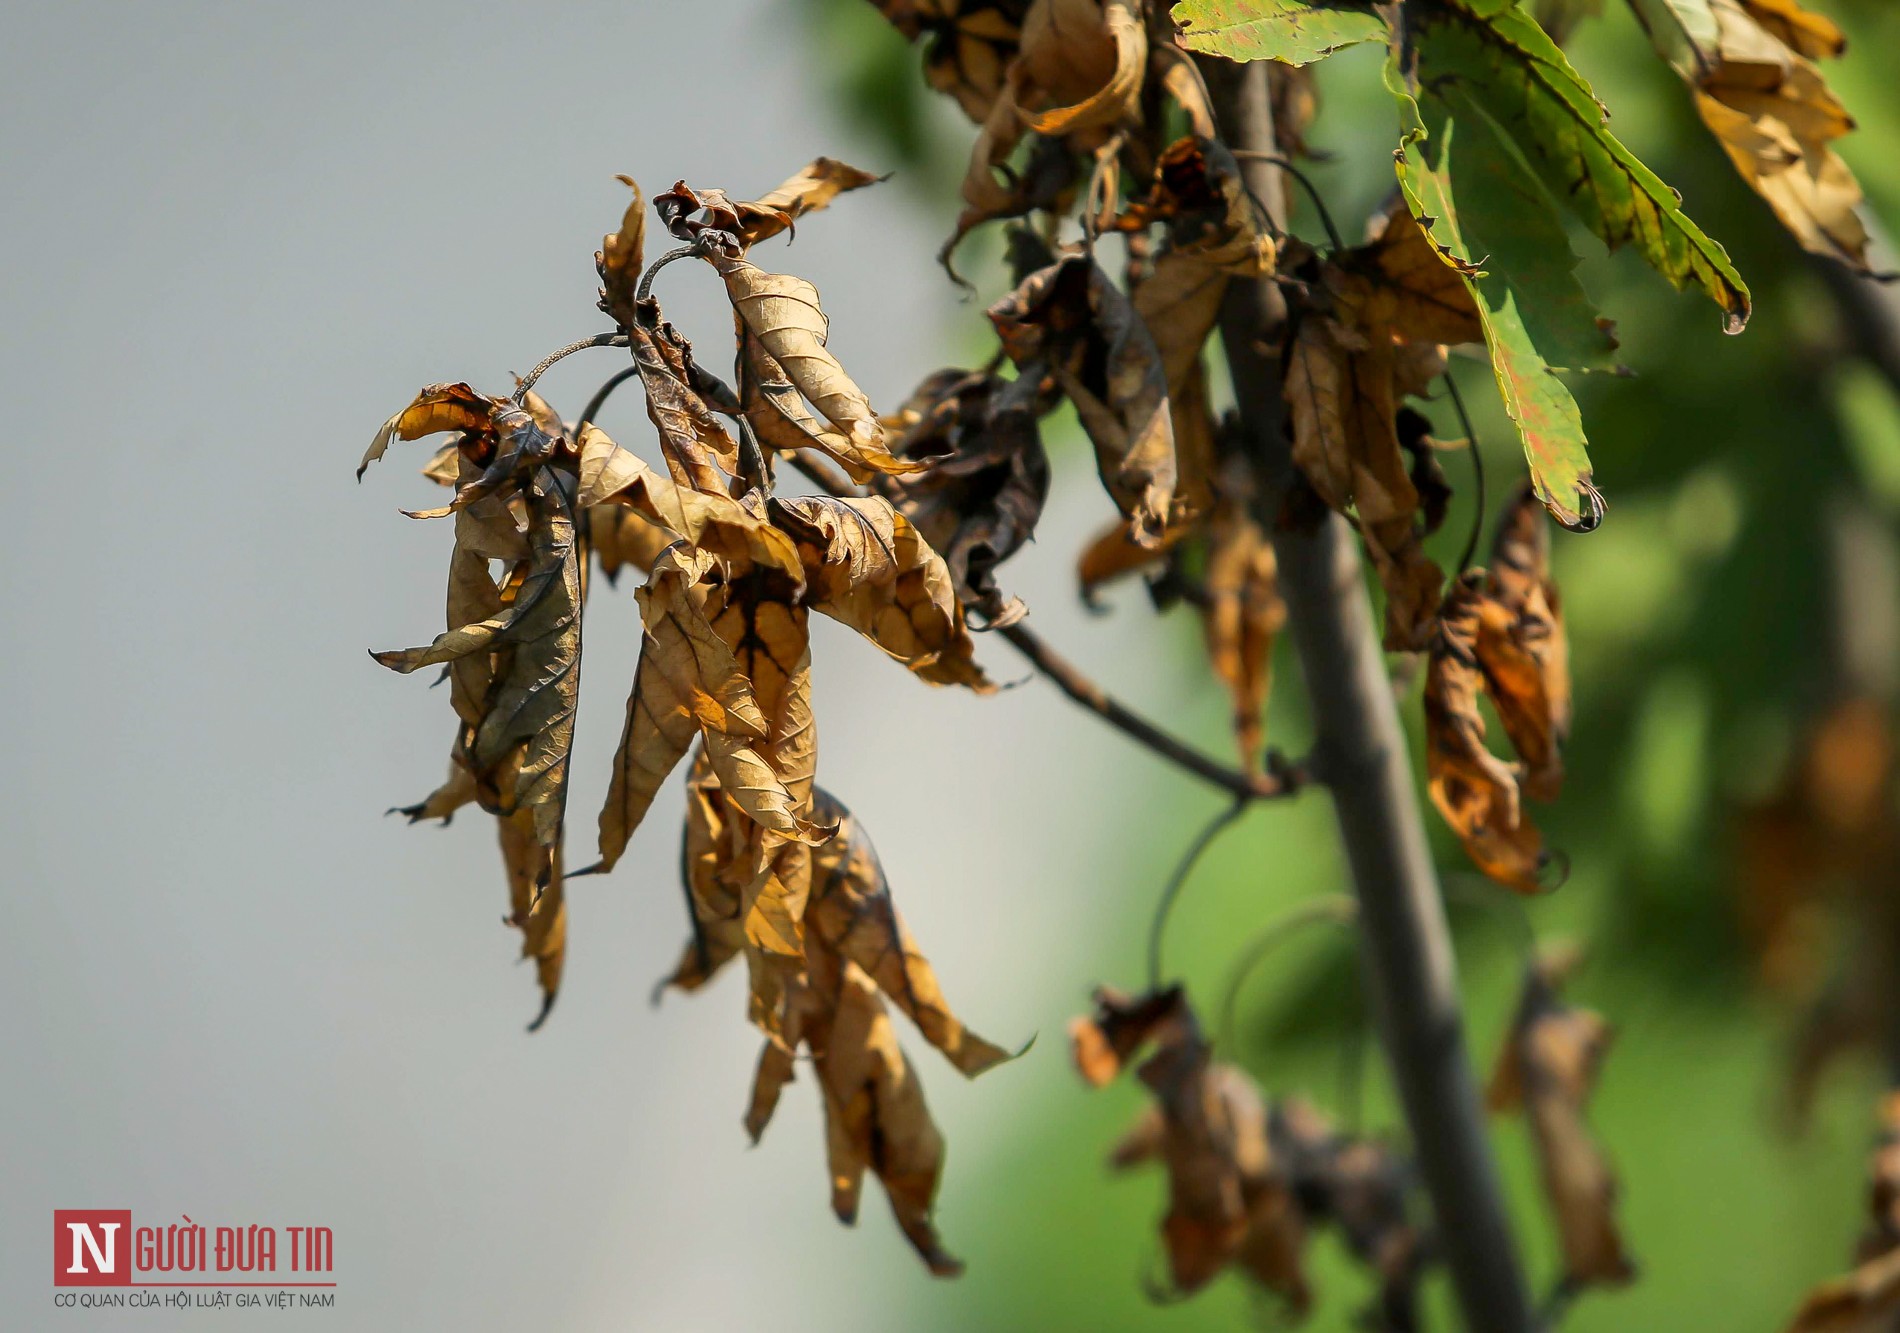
777 872
1547 1070
512 650
1188 508
1500 634
1249 1181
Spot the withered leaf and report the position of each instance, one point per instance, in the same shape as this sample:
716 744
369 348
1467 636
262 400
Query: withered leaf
1369 1191
437 408
1213 236
867 566
621 258
1477 793
813 188
968 44
1522 647
1547 1070
1341 391
700 453
1767 104
782 314
1071 320
525 716
1081 64
979 500
852 912
1863 1301
1227 1204
688 212
537 903
1241 616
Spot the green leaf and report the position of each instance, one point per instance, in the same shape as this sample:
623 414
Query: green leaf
1492 221
1294 32
1494 56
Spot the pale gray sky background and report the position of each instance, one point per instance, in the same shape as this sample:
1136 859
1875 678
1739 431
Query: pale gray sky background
237 236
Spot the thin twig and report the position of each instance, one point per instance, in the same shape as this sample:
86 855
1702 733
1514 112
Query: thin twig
1477 472
1172 890
645 289
602 394
1281 778
823 473
1335 907
541 367
1312 190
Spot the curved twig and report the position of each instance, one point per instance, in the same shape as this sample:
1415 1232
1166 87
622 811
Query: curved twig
1477 472
602 394
541 367
1337 907
1172 890
1306 183
645 290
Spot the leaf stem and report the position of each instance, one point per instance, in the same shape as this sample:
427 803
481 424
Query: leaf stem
1477 471
1306 183
1172 890
645 289
1281 778
602 394
541 367
1338 908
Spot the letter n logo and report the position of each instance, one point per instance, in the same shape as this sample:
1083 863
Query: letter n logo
92 1247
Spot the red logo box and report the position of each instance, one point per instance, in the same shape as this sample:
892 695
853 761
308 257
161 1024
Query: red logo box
92 1247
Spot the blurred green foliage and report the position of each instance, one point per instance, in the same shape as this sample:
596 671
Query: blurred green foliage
1703 633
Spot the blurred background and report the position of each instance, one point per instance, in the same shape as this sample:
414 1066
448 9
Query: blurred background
242 235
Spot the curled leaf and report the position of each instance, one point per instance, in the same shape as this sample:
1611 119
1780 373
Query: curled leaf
621 258
979 500
1072 320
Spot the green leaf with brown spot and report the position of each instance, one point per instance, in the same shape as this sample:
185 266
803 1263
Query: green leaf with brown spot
1490 220
1294 32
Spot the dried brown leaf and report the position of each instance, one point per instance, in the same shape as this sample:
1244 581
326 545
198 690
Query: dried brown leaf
1548 1069
1073 322
621 258
1476 792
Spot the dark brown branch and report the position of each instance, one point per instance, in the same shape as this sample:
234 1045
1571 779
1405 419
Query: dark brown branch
1281 778
1362 751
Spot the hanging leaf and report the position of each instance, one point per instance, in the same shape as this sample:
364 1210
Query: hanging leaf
852 912
1488 58
978 502
1548 1069
1071 319
1522 648
1773 114
968 44
1497 228
1241 617
867 567
1478 793
1342 393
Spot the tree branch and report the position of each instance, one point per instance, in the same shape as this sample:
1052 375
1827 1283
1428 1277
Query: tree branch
1281 778
1406 942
